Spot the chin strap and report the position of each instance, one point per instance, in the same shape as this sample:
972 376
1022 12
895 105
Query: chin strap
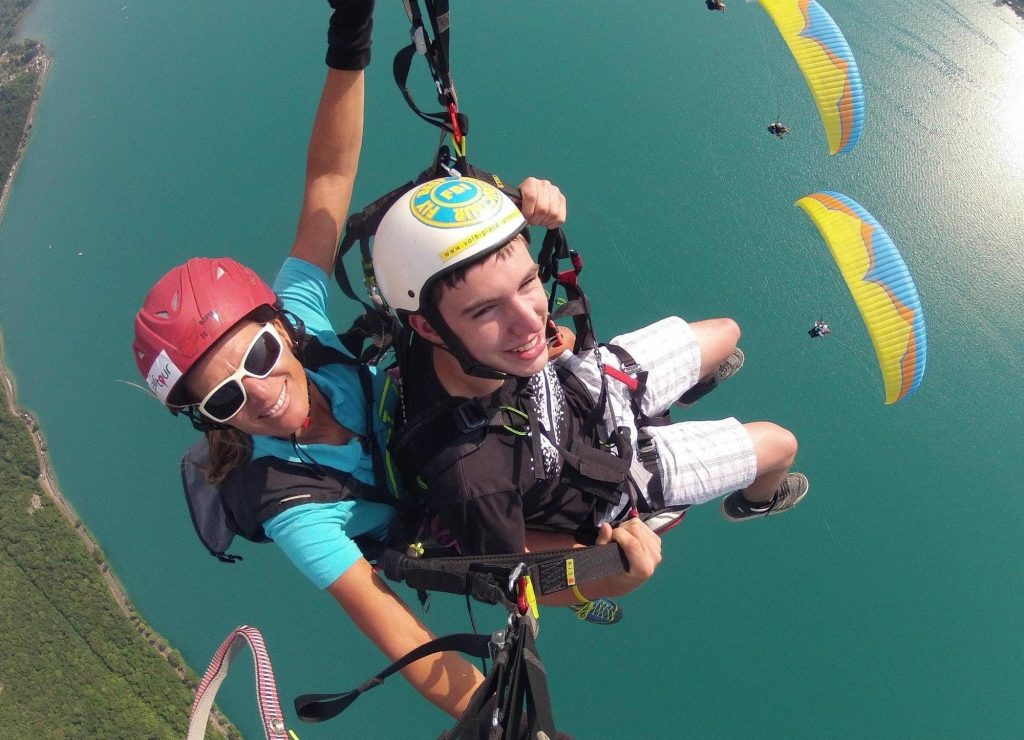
309 403
455 347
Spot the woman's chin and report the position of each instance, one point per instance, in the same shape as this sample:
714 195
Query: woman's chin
283 426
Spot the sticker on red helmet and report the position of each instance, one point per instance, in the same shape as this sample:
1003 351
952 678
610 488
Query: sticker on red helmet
163 375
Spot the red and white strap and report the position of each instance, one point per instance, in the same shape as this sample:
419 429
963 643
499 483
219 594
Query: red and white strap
266 688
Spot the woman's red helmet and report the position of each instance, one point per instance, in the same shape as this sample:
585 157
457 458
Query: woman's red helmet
186 312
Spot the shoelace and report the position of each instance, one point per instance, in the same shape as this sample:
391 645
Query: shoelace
583 610
775 499
602 609
779 495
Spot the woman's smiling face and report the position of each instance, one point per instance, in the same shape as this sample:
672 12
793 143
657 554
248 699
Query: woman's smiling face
276 405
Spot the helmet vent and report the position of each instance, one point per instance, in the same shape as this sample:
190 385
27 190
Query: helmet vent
220 272
176 302
162 315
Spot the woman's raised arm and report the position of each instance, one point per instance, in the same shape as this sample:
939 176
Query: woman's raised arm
331 164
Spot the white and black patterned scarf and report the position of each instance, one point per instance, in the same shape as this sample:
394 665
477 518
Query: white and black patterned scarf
545 399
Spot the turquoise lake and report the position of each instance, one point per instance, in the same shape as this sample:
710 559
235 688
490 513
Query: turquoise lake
889 604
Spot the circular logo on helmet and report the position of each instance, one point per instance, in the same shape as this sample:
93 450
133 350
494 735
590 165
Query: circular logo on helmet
455 202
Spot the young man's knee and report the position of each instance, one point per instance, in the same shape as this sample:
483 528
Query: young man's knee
775 446
729 330
717 339
719 331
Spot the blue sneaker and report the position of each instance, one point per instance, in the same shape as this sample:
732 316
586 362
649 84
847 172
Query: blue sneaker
598 611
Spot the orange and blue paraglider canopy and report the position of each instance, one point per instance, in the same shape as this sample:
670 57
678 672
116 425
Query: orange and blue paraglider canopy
881 286
825 59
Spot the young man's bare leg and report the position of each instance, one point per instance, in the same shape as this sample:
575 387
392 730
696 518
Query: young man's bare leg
719 356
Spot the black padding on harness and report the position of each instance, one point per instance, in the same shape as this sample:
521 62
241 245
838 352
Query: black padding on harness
485 578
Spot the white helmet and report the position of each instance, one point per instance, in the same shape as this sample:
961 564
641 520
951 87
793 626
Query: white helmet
433 229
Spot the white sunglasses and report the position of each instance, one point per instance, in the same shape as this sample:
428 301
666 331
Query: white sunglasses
259 360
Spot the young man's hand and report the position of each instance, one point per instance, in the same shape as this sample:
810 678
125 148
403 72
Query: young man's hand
642 548
543 203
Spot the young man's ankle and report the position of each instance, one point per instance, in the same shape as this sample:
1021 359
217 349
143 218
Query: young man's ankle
697 392
757 503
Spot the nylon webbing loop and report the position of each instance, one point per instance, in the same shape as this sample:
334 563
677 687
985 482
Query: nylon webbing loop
266 688
320 707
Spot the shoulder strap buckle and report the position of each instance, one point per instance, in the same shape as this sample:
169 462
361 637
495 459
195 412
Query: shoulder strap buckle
470 416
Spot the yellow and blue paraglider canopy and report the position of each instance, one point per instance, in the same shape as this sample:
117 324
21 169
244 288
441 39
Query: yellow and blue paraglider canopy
881 286
825 59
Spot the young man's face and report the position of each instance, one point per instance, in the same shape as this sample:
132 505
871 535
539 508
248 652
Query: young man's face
500 312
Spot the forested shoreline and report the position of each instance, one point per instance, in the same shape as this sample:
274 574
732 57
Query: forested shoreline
76 660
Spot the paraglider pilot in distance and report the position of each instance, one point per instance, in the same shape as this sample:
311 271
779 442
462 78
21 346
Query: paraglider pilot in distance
819 329
778 129
715 5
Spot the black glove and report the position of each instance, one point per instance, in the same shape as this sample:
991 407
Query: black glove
348 35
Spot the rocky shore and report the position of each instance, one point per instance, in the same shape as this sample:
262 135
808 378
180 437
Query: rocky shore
1016 5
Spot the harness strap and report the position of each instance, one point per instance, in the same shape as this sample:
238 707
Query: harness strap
632 369
436 54
320 707
627 380
483 706
647 454
486 577
529 683
266 687
517 676
646 450
360 227
400 69
554 249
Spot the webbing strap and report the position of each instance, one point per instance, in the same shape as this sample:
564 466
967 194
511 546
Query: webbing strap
517 676
266 688
483 702
627 380
486 577
436 54
320 707
528 684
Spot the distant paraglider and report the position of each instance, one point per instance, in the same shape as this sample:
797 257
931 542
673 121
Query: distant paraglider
820 329
778 129
715 5
881 286
825 59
